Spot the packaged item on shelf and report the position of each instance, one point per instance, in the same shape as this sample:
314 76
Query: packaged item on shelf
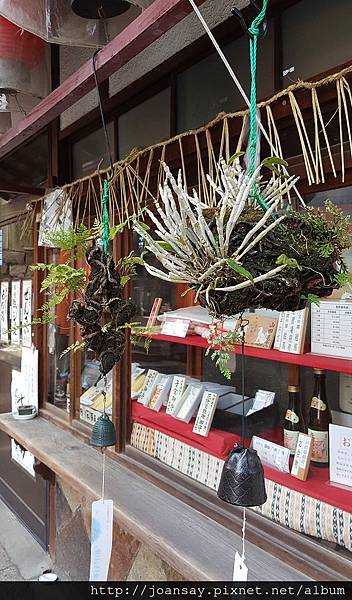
345 395
147 386
294 420
319 421
176 392
291 331
260 331
152 319
331 328
188 403
205 413
229 417
160 391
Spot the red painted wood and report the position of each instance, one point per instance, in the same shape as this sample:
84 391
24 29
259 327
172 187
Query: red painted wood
161 16
330 363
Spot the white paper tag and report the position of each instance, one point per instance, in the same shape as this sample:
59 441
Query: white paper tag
272 454
178 327
240 571
101 540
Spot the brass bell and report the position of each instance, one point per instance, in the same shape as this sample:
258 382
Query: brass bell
242 480
99 9
103 432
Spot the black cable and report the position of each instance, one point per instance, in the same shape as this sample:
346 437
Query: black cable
102 115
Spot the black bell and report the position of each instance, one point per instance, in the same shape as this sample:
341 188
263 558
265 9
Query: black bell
99 9
242 479
103 432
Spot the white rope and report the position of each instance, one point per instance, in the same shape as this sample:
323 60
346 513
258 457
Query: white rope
236 81
243 534
103 478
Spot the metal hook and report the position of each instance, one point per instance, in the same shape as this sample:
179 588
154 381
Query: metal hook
263 27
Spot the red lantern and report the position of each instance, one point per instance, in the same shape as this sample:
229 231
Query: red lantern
19 45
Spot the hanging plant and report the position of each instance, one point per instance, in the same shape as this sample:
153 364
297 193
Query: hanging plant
234 255
99 307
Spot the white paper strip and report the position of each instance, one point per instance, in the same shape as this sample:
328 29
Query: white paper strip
29 370
101 539
4 309
27 313
15 312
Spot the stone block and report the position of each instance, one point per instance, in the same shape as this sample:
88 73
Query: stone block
18 271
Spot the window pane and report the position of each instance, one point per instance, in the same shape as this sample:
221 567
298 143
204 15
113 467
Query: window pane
324 28
163 356
206 89
145 124
58 341
90 152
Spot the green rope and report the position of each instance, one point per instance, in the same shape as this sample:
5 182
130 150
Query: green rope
253 49
105 216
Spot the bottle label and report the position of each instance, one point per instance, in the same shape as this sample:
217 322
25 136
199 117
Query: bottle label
290 440
291 416
320 446
317 403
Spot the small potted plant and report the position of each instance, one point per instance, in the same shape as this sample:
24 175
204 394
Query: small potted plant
24 410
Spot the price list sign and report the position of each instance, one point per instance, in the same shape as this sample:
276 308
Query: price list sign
332 329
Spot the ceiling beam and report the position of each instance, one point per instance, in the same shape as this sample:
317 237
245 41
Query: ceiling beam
13 188
153 22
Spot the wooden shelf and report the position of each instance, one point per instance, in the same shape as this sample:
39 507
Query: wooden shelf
330 363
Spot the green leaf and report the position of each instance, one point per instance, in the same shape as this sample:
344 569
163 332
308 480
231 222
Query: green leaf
288 262
239 269
143 225
124 279
272 162
233 157
165 246
311 299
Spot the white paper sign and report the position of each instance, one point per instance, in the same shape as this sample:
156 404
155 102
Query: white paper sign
1 247
27 313
178 327
205 414
272 454
101 540
29 370
331 326
177 389
240 571
17 390
56 215
4 309
340 443
23 458
15 312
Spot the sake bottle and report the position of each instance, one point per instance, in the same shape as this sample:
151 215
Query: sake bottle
319 420
294 421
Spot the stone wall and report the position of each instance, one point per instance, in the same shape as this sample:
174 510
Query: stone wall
131 560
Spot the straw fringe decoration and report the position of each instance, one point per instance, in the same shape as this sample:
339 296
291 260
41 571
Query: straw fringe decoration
129 184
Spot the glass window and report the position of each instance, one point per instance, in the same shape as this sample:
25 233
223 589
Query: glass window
165 357
58 340
324 28
206 88
90 152
145 124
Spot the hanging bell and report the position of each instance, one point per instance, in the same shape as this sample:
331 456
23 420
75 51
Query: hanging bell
103 432
99 9
242 479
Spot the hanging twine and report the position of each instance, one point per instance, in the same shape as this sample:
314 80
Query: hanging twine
105 216
253 136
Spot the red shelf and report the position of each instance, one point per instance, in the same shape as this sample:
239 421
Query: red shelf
330 363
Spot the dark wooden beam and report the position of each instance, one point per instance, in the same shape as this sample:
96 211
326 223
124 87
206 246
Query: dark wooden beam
156 20
21 189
